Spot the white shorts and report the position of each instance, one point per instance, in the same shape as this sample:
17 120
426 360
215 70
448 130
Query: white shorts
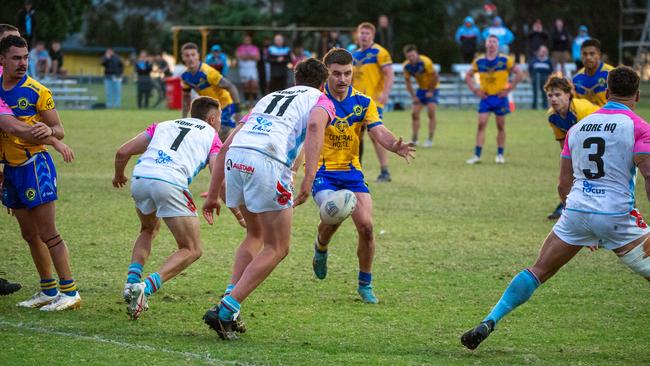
248 71
166 199
606 231
257 181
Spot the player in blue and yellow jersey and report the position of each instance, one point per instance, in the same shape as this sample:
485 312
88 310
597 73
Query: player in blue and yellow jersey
340 167
207 81
373 76
493 69
565 112
422 69
591 81
29 187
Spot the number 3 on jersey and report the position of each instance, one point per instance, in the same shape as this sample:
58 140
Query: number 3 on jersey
597 157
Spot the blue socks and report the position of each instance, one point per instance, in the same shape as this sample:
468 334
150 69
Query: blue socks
519 290
229 307
135 273
68 287
499 151
365 279
153 283
229 289
478 150
48 287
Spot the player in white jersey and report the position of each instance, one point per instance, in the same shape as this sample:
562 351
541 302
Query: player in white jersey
597 182
256 165
173 152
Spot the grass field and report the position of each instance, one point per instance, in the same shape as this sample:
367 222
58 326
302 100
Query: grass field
449 239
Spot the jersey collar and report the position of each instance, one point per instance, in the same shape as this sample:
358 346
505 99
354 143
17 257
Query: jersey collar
19 84
616 106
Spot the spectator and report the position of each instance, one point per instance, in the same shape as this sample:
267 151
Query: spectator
113 69
583 35
385 35
503 34
218 60
354 44
56 55
334 41
162 70
279 57
560 45
27 22
248 55
536 38
298 54
468 37
39 61
143 69
540 68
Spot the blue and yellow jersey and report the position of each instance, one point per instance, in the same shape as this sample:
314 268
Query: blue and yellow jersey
493 74
205 82
342 135
26 100
592 87
578 109
368 70
423 71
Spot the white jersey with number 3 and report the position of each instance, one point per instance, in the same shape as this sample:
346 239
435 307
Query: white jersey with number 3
178 150
602 148
277 125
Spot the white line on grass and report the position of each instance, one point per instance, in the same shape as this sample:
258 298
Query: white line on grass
205 357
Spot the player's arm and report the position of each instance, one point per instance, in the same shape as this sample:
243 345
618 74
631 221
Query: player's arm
566 178
232 89
14 126
381 134
187 99
469 81
409 87
519 75
435 78
389 77
51 125
135 146
642 161
318 119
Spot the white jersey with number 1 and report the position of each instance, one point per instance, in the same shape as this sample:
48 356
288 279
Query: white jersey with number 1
277 125
178 150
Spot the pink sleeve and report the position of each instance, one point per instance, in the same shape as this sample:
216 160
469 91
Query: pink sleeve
641 136
4 108
150 130
325 103
216 145
566 151
245 118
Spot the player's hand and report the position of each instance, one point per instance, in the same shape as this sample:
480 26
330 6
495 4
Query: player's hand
504 93
383 98
209 207
405 150
416 100
593 248
429 94
119 181
65 151
303 194
40 130
480 93
240 218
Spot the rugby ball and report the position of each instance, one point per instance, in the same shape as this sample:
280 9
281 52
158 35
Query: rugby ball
337 207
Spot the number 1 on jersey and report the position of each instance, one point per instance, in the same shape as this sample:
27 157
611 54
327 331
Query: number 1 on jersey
179 138
274 102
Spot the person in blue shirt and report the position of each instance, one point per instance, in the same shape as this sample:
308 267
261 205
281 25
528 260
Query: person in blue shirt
218 60
279 57
583 35
503 34
468 37
540 68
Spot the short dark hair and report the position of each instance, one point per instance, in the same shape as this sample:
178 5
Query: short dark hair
12 41
592 42
311 72
623 81
410 47
492 36
189 46
202 106
7 28
558 82
337 56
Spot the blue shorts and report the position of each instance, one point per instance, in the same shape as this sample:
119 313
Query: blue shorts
493 103
30 185
227 114
422 96
337 180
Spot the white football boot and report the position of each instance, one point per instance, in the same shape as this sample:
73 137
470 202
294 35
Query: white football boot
428 144
500 159
474 160
138 302
37 300
64 302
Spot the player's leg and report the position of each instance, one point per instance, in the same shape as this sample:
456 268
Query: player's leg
325 231
248 249
149 228
480 137
501 138
415 118
431 112
555 253
636 254
362 217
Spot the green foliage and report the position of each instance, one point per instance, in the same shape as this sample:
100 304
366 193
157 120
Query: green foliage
55 20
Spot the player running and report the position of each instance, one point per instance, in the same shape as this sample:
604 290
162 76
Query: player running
597 182
373 76
256 164
29 187
565 111
591 81
493 69
421 67
339 166
173 153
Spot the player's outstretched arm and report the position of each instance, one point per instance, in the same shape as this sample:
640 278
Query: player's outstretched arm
566 178
386 139
136 145
318 119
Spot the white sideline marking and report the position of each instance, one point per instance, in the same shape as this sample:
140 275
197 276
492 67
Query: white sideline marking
205 357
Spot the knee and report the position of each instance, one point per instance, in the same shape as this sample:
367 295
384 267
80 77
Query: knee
366 231
481 126
196 253
282 253
31 238
151 229
501 127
